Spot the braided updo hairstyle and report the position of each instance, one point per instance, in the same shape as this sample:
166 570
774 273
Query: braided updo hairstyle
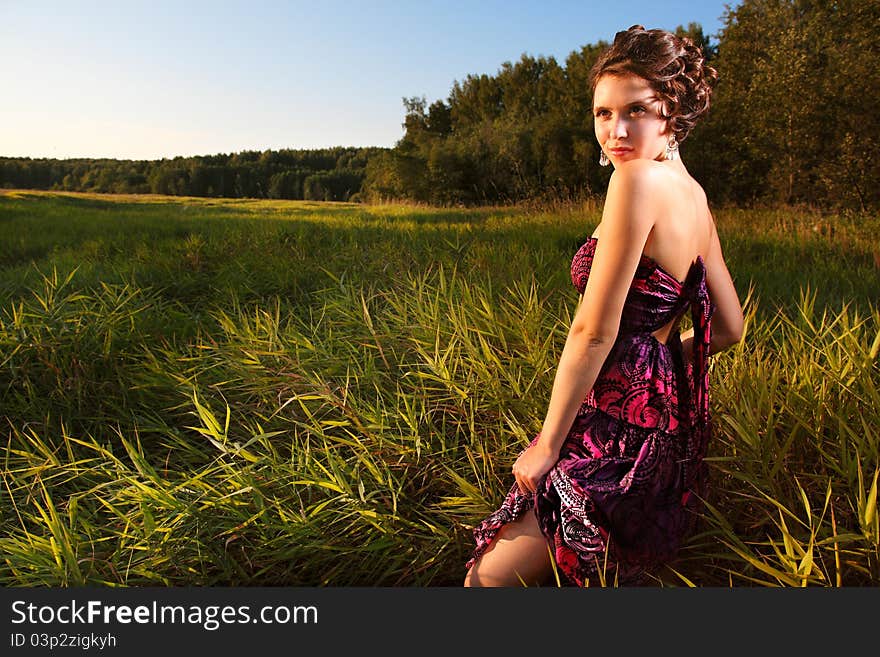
674 67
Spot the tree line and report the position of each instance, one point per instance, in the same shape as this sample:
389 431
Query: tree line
331 174
792 122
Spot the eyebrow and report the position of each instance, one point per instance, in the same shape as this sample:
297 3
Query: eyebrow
643 101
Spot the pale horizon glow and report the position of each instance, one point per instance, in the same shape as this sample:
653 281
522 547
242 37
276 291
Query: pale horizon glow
146 81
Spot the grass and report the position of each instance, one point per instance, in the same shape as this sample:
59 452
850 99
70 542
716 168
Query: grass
237 392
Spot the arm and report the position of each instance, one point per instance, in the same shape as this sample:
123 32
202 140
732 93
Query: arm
727 321
627 220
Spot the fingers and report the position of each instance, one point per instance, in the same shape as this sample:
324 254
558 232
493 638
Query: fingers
519 481
525 483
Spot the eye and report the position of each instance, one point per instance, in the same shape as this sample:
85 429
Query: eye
638 109
602 113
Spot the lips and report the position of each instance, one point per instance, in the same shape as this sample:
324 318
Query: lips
619 151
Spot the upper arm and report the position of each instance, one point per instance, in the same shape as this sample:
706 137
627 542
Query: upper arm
627 220
728 317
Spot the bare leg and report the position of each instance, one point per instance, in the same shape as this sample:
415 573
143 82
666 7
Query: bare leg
518 555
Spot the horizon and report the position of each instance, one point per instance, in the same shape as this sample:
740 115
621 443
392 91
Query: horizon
140 82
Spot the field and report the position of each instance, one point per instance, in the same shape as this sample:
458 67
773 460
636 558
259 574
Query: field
260 393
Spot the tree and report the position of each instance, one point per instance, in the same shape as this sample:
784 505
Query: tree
788 122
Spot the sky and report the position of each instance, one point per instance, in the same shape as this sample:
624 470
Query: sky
150 80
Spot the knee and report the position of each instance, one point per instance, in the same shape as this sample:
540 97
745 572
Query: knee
472 579
491 574
475 579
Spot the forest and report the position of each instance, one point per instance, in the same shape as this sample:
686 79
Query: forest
791 123
332 174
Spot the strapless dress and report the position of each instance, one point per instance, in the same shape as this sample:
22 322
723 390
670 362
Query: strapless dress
624 493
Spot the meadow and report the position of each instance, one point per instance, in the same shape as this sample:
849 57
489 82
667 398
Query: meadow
276 393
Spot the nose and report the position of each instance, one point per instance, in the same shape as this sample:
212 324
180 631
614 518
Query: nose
618 128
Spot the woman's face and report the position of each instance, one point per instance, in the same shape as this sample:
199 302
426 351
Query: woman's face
627 119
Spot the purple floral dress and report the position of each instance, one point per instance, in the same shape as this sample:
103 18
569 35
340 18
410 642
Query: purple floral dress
623 494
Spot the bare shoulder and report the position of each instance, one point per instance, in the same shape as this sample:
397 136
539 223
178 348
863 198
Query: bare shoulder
636 186
639 173
642 182
699 195
630 209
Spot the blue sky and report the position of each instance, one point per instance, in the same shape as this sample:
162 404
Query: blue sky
146 80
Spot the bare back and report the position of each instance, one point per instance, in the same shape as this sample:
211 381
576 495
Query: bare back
683 226
684 229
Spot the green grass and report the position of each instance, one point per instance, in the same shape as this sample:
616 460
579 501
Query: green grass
250 393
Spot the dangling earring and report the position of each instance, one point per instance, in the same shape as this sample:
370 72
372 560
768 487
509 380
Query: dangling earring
672 148
603 159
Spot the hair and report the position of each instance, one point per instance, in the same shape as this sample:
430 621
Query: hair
674 66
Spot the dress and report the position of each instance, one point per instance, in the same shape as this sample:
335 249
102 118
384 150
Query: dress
623 493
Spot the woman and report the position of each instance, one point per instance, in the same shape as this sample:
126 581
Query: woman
609 486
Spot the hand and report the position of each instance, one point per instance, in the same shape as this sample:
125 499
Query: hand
532 465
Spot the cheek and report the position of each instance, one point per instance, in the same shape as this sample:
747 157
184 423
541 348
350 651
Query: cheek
648 133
